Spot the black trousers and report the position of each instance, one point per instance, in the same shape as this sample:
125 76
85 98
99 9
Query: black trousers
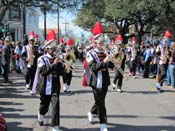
118 78
99 106
28 75
6 71
146 69
67 77
162 72
45 101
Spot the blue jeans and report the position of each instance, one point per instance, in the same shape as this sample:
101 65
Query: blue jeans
171 75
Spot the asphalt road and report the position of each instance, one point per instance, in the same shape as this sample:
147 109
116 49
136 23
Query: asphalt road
138 108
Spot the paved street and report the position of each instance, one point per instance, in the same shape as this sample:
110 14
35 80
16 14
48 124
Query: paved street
138 108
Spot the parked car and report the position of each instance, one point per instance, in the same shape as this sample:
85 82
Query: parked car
3 124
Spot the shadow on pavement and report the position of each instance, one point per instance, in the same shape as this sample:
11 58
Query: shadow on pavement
122 127
14 126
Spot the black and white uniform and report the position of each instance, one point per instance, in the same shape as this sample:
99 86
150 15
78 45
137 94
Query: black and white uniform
99 82
49 87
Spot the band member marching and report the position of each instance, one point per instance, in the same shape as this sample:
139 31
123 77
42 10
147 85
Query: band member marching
133 60
119 53
28 58
69 59
86 73
100 80
163 55
35 57
49 69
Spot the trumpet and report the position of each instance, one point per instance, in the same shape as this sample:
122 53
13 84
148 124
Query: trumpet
117 60
72 68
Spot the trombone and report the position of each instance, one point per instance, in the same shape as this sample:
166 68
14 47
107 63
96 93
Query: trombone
116 61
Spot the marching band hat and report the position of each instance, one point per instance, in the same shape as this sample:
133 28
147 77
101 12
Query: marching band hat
51 40
69 42
100 39
119 39
31 36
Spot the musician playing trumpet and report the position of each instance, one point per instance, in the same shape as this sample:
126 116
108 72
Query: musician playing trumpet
120 57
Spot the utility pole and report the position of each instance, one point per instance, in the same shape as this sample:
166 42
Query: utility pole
45 24
58 13
24 17
65 27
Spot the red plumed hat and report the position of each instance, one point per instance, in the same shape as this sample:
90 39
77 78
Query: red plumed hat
168 34
97 29
69 42
36 36
51 39
31 35
51 35
119 38
61 40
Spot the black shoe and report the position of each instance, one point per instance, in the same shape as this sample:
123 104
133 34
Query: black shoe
41 123
160 90
70 92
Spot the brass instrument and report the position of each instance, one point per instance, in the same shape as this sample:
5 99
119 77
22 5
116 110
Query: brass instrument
64 61
69 58
31 56
117 61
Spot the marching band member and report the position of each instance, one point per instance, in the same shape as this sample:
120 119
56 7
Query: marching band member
33 69
100 80
28 57
118 78
69 58
163 61
49 69
133 61
92 46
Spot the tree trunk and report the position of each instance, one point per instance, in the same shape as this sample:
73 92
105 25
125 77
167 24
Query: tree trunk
3 10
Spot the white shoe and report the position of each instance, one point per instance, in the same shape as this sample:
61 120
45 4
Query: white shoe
55 128
90 117
103 127
118 90
113 86
27 86
40 119
32 93
65 87
68 89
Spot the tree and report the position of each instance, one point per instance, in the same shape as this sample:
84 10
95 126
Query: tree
146 15
64 4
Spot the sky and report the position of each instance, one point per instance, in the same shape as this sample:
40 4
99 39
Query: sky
65 17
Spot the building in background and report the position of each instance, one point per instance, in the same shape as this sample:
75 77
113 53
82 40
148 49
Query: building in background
12 23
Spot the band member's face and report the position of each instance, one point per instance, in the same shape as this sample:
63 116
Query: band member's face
118 45
31 41
50 51
164 43
100 46
94 44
